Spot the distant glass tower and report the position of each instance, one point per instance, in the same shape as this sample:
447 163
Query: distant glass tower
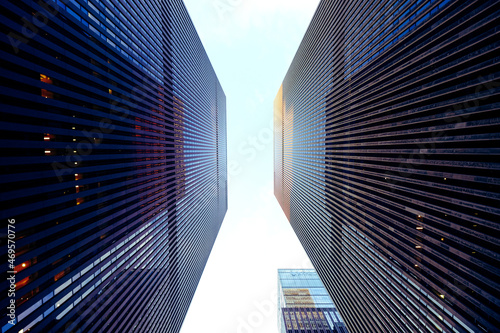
113 163
304 304
386 131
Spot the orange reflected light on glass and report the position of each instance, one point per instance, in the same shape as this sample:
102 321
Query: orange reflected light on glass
22 283
47 94
22 266
45 78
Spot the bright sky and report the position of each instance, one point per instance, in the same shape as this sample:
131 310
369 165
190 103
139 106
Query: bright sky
251 44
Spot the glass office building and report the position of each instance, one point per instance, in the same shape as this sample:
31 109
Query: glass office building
304 304
113 163
386 161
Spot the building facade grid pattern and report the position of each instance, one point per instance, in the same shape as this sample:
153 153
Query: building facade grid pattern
386 132
113 163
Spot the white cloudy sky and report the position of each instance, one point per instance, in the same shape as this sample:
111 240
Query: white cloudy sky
251 44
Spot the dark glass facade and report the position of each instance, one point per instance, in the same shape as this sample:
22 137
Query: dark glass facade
386 161
113 163
304 304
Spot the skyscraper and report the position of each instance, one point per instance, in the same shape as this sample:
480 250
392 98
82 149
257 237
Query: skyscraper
386 132
113 164
304 304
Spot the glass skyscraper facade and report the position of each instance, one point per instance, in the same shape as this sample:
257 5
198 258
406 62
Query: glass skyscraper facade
304 304
113 164
386 161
